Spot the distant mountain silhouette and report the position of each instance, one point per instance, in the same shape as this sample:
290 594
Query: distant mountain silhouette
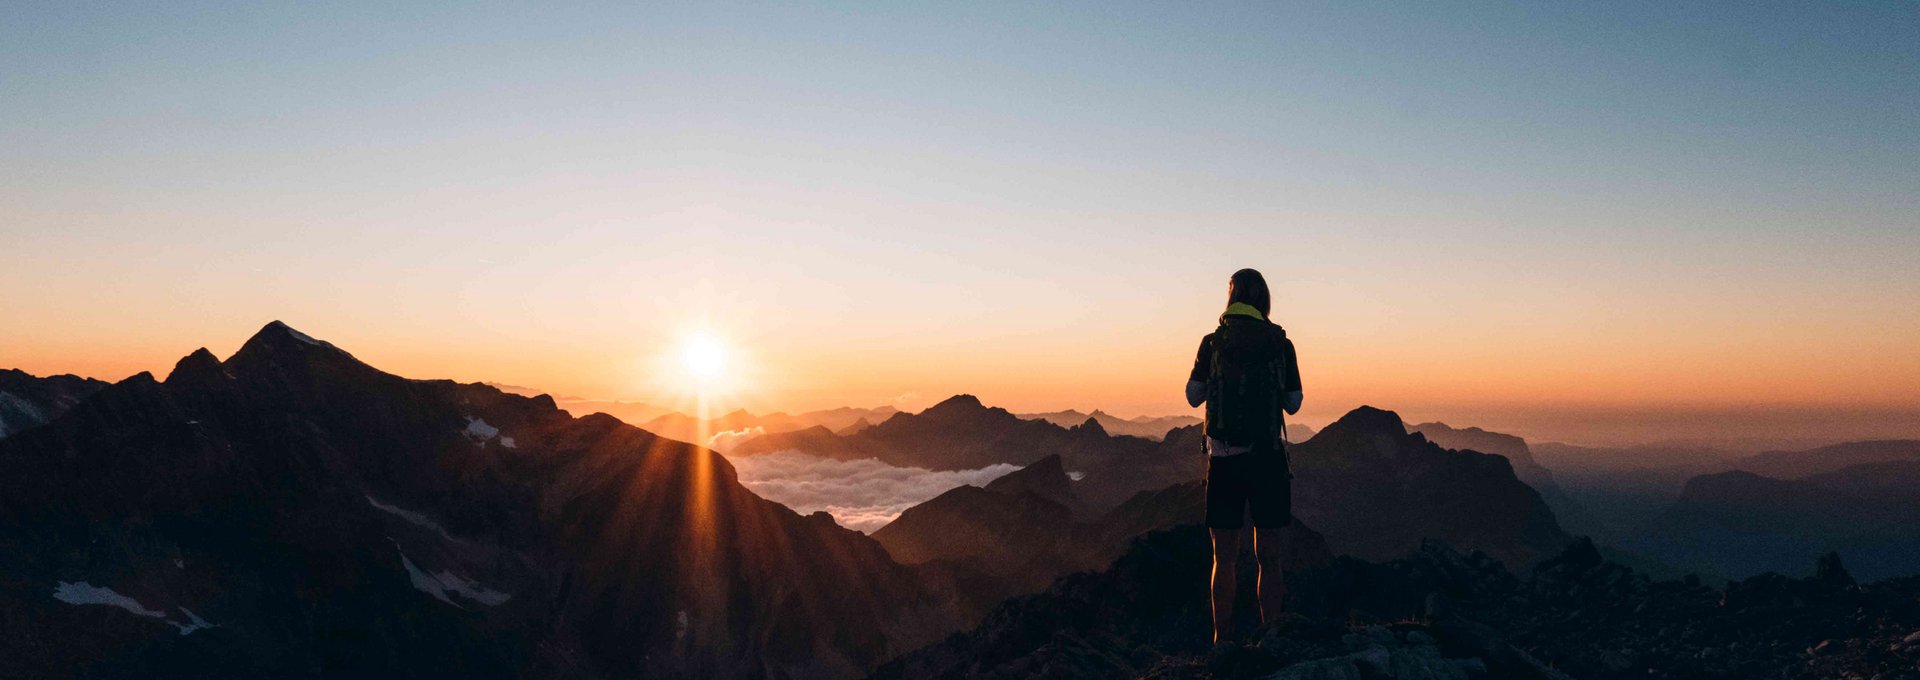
27 401
687 428
857 426
1740 523
1796 464
1377 491
1567 511
961 433
1144 427
1564 458
293 511
630 412
1374 489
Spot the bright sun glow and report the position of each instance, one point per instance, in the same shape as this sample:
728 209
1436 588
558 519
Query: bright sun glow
704 357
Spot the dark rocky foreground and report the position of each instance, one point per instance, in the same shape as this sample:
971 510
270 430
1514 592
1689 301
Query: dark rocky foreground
1439 613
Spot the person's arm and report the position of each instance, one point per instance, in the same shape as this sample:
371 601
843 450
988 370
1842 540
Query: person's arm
1292 394
1197 380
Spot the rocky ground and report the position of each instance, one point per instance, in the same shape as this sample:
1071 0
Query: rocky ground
1439 613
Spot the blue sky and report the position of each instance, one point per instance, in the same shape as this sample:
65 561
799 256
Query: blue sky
1604 203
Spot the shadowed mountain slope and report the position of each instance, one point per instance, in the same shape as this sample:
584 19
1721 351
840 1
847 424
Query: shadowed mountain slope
1020 532
1377 491
1568 512
293 511
28 401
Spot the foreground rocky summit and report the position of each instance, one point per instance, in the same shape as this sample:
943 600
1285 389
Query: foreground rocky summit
1439 614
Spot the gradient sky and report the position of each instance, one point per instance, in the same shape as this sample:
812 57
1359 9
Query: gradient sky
1465 210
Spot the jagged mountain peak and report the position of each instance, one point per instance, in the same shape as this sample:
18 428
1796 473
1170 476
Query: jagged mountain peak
198 366
1091 426
959 410
277 344
1366 420
956 403
277 335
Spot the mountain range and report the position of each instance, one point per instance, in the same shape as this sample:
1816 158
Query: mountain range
293 511
1020 532
1702 511
1144 427
743 425
1740 523
961 433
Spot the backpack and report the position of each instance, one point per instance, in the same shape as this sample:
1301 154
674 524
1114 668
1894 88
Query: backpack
1243 389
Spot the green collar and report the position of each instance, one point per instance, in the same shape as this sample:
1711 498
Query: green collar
1244 309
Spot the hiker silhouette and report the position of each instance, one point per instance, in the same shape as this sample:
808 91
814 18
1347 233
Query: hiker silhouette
1247 376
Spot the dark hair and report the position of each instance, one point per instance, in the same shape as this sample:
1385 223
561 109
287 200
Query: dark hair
1249 287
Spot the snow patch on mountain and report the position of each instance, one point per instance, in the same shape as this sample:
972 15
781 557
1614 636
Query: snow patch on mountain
28 415
439 585
194 622
479 431
84 593
415 518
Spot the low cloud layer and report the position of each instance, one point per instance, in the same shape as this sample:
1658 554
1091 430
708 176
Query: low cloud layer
862 495
725 441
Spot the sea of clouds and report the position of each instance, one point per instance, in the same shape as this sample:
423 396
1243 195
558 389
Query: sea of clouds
862 495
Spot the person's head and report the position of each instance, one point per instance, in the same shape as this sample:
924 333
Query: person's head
1250 288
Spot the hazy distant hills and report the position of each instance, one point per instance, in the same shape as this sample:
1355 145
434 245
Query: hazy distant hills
1144 427
27 401
1861 500
293 511
630 412
723 431
743 425
1793 464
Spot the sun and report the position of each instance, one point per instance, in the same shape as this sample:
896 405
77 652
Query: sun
704 357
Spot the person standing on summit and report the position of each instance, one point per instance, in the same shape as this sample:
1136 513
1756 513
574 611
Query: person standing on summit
1247 375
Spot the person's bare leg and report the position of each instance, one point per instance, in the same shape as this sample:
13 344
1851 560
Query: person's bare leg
1269 545
1226 550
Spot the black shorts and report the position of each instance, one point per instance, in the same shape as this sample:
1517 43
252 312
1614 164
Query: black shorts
1258 480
